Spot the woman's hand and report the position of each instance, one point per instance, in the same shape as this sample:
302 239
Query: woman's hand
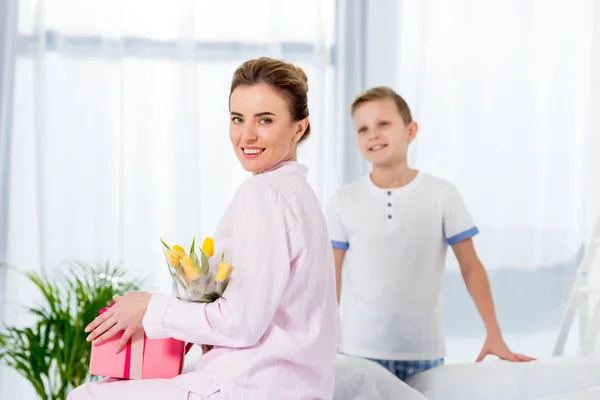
125 315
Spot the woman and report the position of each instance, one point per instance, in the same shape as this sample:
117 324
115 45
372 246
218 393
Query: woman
274 331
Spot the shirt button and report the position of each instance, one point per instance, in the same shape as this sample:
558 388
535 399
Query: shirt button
389 192
389 204
389 216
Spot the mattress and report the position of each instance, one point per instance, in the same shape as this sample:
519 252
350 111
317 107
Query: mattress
561 378
502 380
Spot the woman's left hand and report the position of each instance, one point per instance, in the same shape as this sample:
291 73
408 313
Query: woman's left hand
125 315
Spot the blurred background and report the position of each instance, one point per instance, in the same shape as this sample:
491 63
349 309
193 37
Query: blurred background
114 132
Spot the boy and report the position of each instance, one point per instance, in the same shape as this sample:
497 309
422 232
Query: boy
390 232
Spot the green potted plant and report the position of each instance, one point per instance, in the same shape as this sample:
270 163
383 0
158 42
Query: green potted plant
53 354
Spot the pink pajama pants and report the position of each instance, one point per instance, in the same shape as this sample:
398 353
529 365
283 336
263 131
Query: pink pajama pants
149 389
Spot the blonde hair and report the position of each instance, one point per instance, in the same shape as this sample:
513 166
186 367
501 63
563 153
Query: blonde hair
380 93
286 78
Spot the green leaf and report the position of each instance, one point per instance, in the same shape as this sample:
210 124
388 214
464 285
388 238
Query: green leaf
164 244
205 264
196 260
52 353
193 245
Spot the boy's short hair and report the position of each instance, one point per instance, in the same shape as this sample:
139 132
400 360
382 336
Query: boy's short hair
380 93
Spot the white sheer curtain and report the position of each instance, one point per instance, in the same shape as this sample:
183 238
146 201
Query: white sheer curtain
502 91
8 13
120 132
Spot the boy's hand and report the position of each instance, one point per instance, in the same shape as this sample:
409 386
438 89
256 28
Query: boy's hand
478 285
495 345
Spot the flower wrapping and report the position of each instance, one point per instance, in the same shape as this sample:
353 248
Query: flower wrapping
193 279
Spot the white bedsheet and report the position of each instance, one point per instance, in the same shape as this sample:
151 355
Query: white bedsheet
589 394
359 379
499 380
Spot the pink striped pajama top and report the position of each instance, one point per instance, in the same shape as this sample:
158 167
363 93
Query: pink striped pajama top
275 330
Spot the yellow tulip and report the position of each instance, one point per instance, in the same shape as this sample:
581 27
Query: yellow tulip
179 250
190 269
173 258
208 247
224 269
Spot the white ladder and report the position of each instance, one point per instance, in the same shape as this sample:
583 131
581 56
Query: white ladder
580 301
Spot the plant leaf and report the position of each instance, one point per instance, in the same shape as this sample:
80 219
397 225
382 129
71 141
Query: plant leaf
193 245
205 264
164 244
53 354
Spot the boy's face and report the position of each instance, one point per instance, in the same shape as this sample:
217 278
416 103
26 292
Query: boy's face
382 135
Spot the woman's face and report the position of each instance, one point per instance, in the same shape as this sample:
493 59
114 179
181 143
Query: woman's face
261 130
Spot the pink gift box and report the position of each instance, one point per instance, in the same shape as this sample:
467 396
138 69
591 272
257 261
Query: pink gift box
143 358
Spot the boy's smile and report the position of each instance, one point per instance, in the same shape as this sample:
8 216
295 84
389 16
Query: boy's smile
383 136
377 147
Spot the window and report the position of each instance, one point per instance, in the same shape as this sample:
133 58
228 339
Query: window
123 106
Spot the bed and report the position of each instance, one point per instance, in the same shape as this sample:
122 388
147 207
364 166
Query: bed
546 379
561 378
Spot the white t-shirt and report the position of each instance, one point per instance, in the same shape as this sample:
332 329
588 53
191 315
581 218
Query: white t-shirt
396 242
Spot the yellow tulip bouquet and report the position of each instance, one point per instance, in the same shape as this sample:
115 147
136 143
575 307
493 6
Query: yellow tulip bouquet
192 278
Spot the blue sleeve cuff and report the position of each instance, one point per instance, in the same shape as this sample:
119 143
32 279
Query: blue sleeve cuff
340 245
469 233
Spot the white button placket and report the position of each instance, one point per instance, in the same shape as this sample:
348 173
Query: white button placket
389 210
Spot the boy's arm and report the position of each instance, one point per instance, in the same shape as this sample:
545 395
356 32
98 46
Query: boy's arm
478 285
338 256
338 236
